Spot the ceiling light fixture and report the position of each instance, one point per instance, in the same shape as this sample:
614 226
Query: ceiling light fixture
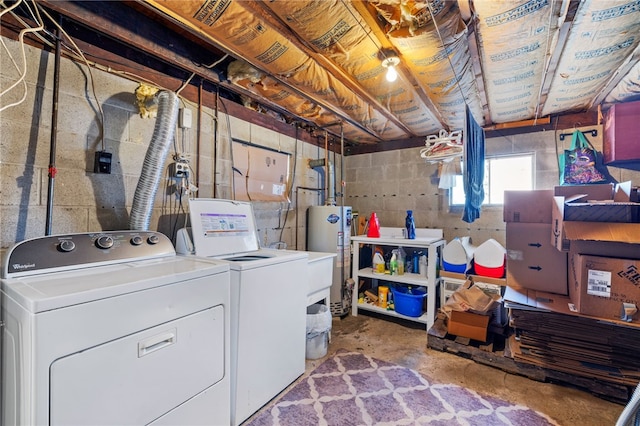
390 64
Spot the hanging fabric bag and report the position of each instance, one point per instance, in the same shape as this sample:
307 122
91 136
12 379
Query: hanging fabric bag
578 164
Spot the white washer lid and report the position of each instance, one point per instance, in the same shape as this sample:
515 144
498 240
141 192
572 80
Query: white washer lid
222 227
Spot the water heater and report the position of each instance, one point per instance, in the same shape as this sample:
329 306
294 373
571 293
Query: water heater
329 230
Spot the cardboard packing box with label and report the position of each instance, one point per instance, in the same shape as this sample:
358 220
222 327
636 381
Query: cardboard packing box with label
605 287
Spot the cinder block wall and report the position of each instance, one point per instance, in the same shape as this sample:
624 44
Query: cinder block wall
84 201
390 183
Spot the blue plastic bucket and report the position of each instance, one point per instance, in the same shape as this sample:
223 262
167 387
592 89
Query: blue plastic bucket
409 300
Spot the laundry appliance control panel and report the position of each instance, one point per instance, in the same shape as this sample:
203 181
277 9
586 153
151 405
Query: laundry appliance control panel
60 252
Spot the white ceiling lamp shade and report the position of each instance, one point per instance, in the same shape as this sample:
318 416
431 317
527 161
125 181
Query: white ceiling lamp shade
390 64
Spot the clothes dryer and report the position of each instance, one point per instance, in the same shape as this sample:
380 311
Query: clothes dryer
113 328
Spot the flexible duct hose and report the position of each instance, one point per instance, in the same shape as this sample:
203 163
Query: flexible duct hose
152 167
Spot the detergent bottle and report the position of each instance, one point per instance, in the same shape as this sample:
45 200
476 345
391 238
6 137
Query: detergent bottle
393 263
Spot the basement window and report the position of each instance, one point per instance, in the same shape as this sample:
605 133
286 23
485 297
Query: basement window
501 173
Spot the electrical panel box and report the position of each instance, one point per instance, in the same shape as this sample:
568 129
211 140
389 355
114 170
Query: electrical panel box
102 162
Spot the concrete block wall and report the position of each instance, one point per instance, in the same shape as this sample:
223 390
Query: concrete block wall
390 183
84 201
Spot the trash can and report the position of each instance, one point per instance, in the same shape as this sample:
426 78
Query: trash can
318 329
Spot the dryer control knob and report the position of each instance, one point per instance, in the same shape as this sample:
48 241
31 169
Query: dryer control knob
137 240
153 239
66 246
104 242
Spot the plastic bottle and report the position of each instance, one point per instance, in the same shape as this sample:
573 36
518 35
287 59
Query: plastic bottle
410 225
393 263
378 264
400 257
383 296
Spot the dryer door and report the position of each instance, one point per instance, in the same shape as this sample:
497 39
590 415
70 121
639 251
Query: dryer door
138 378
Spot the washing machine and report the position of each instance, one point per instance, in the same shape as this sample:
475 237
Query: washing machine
268 301
113 328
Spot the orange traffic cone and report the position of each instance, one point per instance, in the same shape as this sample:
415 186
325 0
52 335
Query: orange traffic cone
374 226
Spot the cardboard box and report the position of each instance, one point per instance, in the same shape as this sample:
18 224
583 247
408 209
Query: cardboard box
578 208
621 134
528 206
593 192
592 223
602 286
523 298
600 238
532 262
467 324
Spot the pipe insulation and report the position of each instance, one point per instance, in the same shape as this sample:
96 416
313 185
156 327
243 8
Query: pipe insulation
153 166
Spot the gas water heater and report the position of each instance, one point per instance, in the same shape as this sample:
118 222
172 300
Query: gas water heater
329 230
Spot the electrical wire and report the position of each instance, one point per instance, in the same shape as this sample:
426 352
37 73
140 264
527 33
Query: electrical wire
537 113
444 48
293 178
92 80
233 184
40 27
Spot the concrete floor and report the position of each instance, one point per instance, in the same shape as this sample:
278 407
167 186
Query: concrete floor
407 346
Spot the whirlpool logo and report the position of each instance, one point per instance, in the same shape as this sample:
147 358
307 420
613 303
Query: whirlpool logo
22 267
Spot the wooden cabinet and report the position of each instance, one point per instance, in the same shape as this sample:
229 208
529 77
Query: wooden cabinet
428 241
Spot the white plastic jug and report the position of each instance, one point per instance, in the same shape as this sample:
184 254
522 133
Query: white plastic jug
378 264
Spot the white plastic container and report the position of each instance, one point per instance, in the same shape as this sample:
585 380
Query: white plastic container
318 328
317 346
490 258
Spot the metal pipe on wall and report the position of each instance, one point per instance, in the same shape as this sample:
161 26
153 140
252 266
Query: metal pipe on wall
199 134
54 137
215 141
297 209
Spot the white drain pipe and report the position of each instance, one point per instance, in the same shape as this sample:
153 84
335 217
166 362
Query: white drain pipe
152 168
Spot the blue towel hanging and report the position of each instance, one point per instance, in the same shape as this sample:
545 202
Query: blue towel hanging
473 177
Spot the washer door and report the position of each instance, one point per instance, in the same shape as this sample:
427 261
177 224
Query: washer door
138 378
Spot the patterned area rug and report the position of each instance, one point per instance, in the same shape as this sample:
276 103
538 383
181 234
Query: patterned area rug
354 389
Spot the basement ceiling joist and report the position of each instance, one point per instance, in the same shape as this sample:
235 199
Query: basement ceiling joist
511 62
508 61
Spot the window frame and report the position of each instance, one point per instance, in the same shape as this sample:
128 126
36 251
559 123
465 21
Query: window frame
486 182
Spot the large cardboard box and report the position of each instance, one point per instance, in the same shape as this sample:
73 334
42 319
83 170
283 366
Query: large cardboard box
528 206
605 287
467 324
593 217
532 262
621 134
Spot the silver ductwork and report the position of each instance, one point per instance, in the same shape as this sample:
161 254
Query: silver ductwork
327 175
154 160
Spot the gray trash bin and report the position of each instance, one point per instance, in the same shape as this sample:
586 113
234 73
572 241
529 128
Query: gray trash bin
318 329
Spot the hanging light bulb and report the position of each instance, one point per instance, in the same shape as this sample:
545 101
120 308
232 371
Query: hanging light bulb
392 74
390 64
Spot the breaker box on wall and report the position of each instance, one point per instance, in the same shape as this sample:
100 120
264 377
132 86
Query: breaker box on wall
259 174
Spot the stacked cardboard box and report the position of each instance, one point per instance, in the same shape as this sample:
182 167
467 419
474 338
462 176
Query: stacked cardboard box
588 324
532 261
541 269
